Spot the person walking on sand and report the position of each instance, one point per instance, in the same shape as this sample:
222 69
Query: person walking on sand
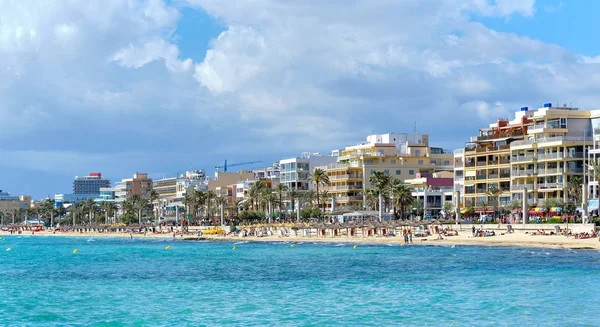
410 236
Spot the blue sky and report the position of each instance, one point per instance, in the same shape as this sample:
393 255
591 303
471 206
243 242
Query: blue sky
163 86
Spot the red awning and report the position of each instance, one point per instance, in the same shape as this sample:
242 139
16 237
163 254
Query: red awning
484 211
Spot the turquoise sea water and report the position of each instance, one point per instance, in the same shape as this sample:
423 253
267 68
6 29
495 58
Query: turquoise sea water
123 282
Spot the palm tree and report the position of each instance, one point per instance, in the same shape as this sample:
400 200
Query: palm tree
140 205
281 188
494 193
189 201
293 195
108 208
254 193
237 206
270 199
200 200
210 197
221 201
372 199
319 177
594 168
47 210
308 196
402 195
153 196
575 190
324 198
382 182
91 207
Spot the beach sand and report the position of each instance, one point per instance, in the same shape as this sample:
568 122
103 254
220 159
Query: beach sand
464 238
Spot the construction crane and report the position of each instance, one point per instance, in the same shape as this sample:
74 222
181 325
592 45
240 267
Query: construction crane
225 165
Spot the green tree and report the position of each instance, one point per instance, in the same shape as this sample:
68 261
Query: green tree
210 198
447 208
308 196
402 195
494 193
281 189
91 207
221 201
324 198
548 204
381 184
417 207
152 197
254 193
319 177
109 208
293 195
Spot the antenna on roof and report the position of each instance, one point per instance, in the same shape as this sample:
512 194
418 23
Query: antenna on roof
415 128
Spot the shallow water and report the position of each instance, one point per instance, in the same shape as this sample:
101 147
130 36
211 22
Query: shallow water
116 282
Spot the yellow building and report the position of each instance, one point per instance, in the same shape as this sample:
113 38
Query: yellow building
407 156
540 150
10 204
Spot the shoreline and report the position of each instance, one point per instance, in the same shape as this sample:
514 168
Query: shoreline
464 238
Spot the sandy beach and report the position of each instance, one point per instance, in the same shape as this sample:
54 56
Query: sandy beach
464 238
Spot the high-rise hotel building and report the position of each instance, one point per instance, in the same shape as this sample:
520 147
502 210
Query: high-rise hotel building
540 150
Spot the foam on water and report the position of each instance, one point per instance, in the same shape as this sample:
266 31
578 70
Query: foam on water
136 282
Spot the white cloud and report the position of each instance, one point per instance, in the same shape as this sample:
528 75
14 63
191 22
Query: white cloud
109 77
152 50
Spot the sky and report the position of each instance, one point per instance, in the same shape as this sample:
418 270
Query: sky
125 86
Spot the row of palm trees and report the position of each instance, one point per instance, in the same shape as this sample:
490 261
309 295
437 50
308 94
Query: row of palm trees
389 192
574 192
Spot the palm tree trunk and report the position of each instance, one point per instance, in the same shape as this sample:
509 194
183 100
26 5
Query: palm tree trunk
140 216
318 202
380 207
222 220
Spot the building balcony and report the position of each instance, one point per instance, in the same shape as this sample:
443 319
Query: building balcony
521 143
560 139
470 164
550 171
481 177
550 156
521 187
574 155
345 177
522 158
504 175
575 170
550 186
344 188
348 198
521 173
492 176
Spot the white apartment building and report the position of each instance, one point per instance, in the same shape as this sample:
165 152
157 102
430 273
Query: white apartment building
294 172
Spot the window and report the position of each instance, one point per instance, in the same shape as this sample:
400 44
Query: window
411 172
446 162
393 162
420 162
387 172
417 153
563 123
372 171
397 171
